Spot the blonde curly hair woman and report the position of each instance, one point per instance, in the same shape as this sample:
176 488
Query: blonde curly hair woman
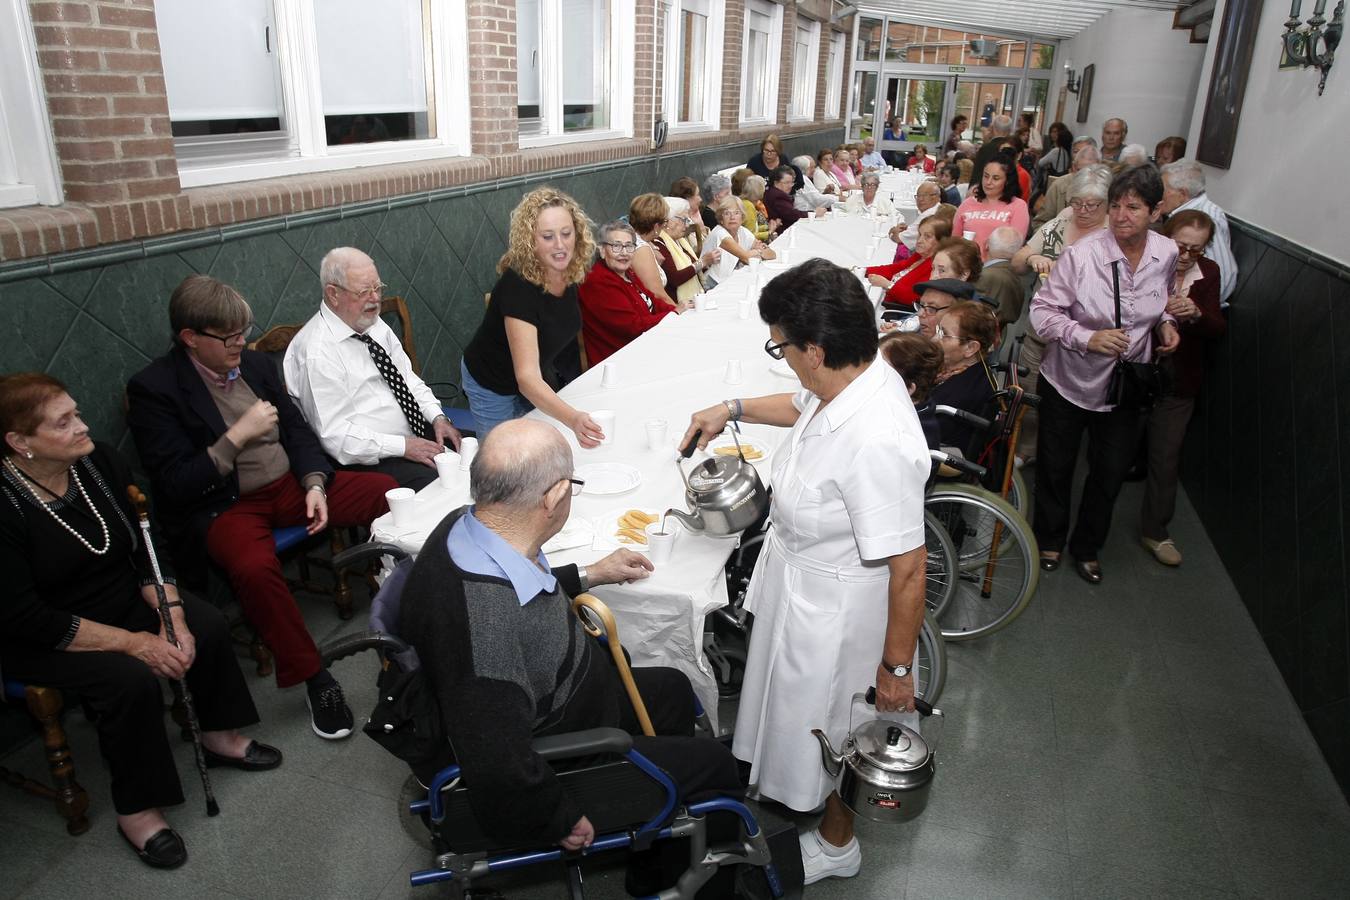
510 365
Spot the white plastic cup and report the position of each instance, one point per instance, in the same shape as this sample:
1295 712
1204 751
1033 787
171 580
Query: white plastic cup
401 502
792 238
783 255
447 468
733 375
661 541
605 418
744 308
609 376
656 434
810 213
968 235
700 302
753 264
468 447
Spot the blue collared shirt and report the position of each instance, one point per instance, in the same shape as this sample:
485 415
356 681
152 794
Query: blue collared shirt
477 549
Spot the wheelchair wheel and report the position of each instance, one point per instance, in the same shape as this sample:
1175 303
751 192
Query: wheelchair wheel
1019 496
941 565
931 676
414 825
997 557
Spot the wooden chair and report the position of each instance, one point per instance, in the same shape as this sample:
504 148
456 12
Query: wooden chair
72 801
459 417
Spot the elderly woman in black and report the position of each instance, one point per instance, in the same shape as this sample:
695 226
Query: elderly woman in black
79 613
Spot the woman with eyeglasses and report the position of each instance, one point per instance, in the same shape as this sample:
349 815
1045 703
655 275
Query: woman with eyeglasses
899 279
965 332
616 306
1086 216
80 613
511 364
737 244
838 591
1075 313
682 265
1195 304
771 155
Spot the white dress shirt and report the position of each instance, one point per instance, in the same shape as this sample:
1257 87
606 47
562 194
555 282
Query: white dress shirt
880 205
1219 248
345 399
808 197
911 232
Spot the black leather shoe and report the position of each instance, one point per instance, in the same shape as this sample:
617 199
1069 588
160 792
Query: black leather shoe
257 758
1090 570
1049 563
164 849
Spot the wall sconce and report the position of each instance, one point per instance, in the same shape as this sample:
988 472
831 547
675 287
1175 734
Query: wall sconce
1072 81
1301 45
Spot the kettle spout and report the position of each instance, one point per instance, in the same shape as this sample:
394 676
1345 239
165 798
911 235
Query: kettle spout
694 522
833 762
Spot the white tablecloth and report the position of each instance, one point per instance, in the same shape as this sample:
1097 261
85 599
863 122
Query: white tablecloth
668 373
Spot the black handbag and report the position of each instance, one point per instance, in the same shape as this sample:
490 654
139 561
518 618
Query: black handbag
406 720
1133 385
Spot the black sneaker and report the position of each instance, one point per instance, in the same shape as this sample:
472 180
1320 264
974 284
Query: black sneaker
330 716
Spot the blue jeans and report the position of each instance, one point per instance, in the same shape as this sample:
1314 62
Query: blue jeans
490 409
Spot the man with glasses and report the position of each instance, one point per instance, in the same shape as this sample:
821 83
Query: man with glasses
353 380
507 660
935 297
230 458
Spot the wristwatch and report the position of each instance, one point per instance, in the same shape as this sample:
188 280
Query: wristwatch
899 671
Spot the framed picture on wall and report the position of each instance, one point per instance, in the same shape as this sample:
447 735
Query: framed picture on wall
1085 92
1228 82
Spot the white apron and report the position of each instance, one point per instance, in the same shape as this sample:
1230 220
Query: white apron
820 626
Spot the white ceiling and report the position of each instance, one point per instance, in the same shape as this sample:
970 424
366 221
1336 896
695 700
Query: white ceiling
1047 18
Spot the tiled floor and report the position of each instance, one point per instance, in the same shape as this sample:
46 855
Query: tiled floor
1129 740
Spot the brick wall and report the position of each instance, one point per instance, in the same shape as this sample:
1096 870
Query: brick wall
106 96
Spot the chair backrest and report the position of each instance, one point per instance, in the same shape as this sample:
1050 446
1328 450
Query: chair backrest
274 342
398 308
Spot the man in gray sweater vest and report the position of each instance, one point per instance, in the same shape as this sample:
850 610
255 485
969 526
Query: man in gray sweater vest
507 659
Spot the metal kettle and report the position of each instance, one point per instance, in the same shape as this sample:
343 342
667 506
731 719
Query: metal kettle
884 771
724 493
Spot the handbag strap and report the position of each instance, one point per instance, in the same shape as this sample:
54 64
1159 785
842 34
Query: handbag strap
1115 287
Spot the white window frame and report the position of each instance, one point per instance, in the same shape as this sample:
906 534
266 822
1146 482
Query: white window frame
621 76
834 75
775 14
302 103
29 173
710 118
803 108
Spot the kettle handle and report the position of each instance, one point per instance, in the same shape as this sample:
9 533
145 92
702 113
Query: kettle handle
923 707
688 450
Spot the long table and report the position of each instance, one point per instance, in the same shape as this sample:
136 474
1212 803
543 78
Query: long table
669 373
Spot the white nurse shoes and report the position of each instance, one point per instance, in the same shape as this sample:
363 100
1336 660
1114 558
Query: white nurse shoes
837 862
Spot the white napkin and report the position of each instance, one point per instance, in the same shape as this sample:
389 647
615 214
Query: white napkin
576 533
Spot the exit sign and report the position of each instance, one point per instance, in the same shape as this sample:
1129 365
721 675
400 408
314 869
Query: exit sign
956 69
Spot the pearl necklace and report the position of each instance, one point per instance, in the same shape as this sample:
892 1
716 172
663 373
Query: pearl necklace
75 476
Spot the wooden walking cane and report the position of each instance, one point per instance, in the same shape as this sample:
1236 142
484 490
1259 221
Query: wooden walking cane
143 513
599 623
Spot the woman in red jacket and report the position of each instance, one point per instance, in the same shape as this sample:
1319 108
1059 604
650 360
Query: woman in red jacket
1195 304
615 305
899 278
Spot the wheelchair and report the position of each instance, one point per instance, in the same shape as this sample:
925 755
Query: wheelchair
632 803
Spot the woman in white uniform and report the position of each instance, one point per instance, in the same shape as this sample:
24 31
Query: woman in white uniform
838 591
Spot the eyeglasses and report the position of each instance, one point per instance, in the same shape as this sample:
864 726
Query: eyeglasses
1187 250
576 483
243 336
930 309
1085 205
369 293
620 246
940 334
777 351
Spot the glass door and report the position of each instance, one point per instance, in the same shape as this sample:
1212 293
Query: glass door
911 112
980 99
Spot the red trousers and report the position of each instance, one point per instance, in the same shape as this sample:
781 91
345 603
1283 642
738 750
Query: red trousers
240 542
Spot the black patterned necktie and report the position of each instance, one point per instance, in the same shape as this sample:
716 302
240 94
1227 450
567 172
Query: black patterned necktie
391 377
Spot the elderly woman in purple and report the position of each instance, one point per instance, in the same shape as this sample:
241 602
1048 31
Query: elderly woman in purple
1075 313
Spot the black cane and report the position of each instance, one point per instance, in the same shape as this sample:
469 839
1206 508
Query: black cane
142 512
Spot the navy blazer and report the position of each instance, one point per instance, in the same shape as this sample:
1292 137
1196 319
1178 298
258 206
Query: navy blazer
174 421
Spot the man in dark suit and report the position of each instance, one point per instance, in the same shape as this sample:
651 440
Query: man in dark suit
231 458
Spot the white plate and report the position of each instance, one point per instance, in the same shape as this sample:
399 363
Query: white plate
606 526
746 443
608 478
780 368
